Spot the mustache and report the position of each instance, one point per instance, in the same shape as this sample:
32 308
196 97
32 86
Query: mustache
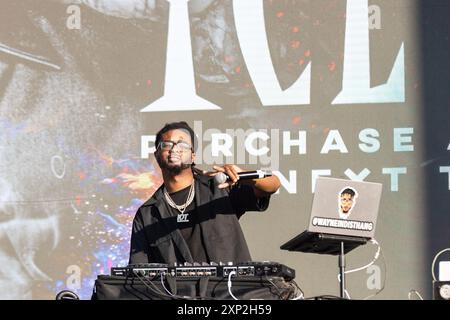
163 162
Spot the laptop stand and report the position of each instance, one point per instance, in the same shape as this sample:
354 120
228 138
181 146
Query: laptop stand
323 243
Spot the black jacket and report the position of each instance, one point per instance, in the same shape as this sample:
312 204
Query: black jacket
155 237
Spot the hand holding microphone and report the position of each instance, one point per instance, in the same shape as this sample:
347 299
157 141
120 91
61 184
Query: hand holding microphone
244 175
229 174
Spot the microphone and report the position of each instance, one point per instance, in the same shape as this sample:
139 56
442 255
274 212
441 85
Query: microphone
244 175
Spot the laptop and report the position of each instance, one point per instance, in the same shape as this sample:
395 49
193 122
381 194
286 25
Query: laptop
342 210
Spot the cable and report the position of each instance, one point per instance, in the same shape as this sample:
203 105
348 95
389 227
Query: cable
160 293
416 292
280 295
229 285
292 284
384 279
434 261
376 256
182 297
302 294
300 297
155 289
347 294
164 286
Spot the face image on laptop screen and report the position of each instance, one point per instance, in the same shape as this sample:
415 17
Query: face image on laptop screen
346 201
345 207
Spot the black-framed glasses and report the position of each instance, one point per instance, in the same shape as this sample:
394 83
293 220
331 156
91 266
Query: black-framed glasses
168 145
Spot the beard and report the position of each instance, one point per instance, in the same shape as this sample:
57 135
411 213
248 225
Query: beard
172 168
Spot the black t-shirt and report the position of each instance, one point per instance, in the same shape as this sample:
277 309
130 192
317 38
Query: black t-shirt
190 229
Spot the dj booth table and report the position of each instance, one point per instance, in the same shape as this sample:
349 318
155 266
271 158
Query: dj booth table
244 288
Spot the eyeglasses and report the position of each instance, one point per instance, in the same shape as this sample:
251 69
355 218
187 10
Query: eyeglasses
168 145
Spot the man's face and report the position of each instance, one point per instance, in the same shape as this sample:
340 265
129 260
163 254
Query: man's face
346 202
175 158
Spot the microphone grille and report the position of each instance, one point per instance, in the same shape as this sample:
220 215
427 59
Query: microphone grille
220 178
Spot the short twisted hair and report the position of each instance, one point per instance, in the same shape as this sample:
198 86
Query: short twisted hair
174 126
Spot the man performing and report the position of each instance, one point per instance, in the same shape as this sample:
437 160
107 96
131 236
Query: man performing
192 218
